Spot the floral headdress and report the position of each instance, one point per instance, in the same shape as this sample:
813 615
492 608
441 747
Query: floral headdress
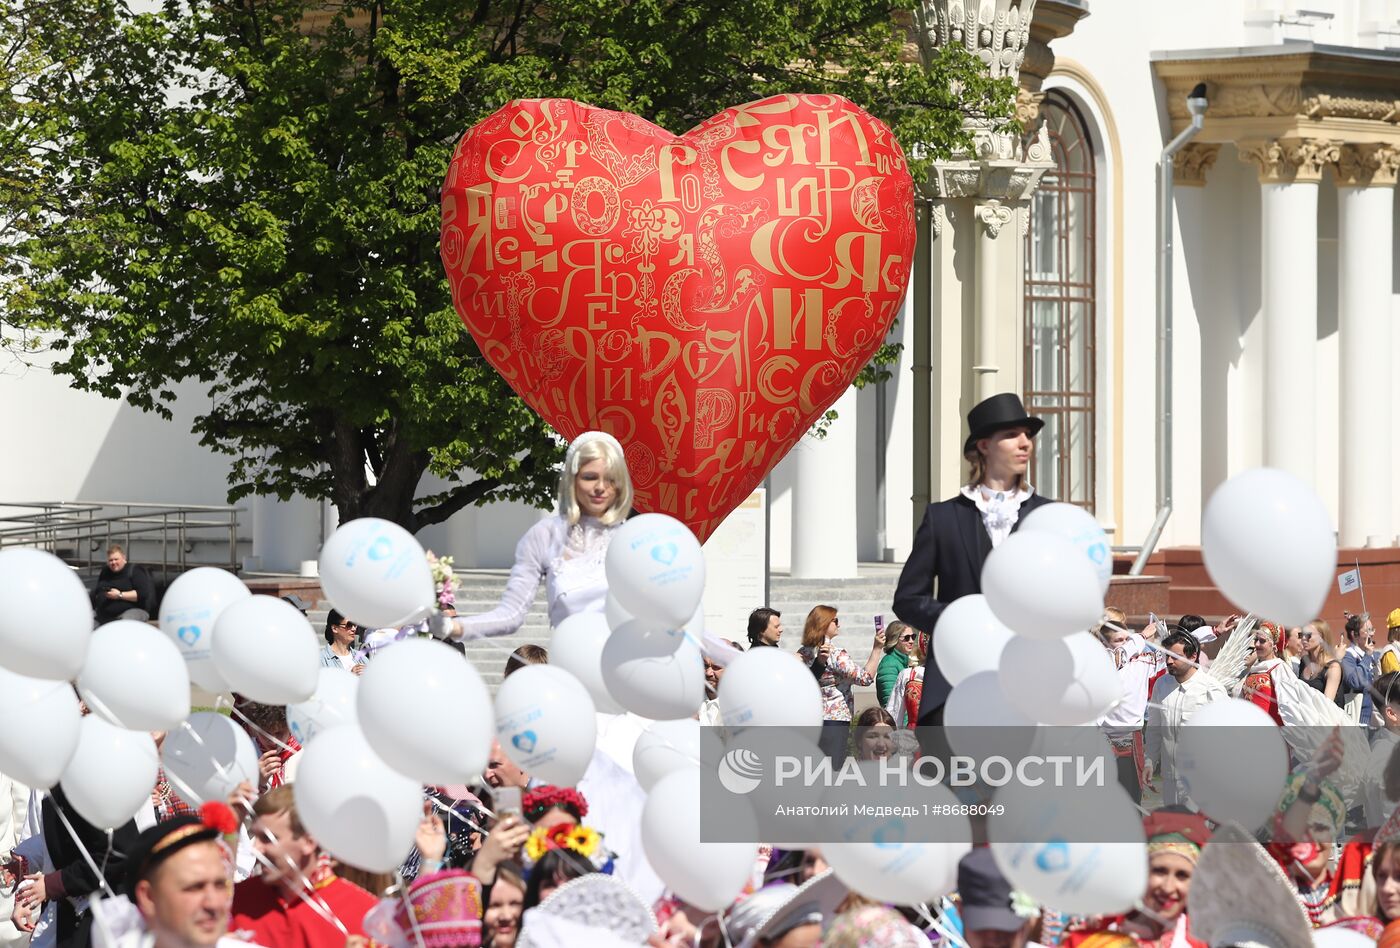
444 580
539 801
570 837
1183 834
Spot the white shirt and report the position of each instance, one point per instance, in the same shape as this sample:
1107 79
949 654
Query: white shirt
570 561
1377 807
1000 509
1175 703
1136 665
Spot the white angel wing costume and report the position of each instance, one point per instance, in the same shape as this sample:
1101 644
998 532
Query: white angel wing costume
1308 716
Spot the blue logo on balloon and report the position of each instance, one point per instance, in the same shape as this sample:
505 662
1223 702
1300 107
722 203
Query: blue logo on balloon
889 836
189 634
380 549
1097 552
524 741
1053 857
665 553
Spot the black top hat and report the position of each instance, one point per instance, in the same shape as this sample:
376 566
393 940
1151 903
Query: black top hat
997 414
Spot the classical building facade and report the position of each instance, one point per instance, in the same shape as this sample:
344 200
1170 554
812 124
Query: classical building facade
1037 274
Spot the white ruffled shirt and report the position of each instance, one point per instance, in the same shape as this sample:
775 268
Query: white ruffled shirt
568 558
1000 509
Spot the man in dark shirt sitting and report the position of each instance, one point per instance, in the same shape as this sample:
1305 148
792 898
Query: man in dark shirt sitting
124 590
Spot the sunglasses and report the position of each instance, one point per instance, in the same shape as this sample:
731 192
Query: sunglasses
907 638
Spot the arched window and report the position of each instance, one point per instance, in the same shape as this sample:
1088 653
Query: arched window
1060 300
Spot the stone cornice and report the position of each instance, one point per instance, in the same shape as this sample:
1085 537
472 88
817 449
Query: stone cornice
1365 165
1284 161
1189 166
1287 92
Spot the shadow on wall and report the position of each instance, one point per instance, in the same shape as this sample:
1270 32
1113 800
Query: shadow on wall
143 457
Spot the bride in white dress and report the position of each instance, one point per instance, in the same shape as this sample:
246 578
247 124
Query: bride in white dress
568 549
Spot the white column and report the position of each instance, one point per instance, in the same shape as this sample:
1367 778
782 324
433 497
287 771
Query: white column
1290 325
1366 204
992 216
823 498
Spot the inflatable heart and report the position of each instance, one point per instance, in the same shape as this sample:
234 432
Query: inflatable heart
703 297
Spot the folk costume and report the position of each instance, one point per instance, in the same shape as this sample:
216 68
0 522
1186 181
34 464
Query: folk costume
954 540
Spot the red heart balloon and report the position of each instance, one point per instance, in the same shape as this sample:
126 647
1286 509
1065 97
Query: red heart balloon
703 297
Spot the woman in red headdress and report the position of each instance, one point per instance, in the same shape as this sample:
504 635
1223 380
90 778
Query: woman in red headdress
1259 684
1174 842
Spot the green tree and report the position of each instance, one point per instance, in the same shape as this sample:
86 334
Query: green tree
250 200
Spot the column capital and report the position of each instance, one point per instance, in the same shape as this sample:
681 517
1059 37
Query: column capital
1189 166
1367 165
1289 160
993 216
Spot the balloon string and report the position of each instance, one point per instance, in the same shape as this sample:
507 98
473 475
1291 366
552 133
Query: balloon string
943 930
408 908
87 856
304 891
244 718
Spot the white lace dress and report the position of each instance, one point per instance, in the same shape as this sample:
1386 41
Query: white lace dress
570 561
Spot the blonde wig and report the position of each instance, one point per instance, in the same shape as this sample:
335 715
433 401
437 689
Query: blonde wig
595 446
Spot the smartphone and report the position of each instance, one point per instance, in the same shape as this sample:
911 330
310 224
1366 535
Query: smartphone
508 802
879 623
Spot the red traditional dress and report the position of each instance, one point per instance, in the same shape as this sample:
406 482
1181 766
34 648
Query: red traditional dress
1259 686
1178 936
264 916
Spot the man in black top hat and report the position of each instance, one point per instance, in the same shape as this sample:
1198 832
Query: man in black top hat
958 534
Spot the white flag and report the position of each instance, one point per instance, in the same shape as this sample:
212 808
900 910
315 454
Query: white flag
1350 581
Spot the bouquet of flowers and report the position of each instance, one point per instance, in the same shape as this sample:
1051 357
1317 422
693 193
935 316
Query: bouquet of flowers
444 580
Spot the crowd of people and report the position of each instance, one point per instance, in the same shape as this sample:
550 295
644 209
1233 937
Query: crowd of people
513 859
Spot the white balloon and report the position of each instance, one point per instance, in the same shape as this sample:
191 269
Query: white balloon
211 762
980 721
188 611
112 773
664 748
1232 762
883 859
968 639
1061 681
36 753
135 678
707 875
45 615
422 680
333 705
1270 546
265 649
576 646
768 687
656 569
654 672
618 616
1079 527
615 615
546 723
1040 586
1078 850
354 804
377 574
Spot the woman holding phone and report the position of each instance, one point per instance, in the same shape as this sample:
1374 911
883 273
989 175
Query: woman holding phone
837 673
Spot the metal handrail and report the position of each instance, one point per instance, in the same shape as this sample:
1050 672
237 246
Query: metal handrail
81 528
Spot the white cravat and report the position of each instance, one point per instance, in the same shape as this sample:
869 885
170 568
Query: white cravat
1000 509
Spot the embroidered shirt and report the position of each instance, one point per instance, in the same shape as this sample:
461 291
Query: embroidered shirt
1000 509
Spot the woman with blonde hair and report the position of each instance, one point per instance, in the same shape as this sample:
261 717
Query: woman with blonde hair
837 673
1322 665
566 550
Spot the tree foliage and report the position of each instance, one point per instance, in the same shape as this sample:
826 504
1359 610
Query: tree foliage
245 193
